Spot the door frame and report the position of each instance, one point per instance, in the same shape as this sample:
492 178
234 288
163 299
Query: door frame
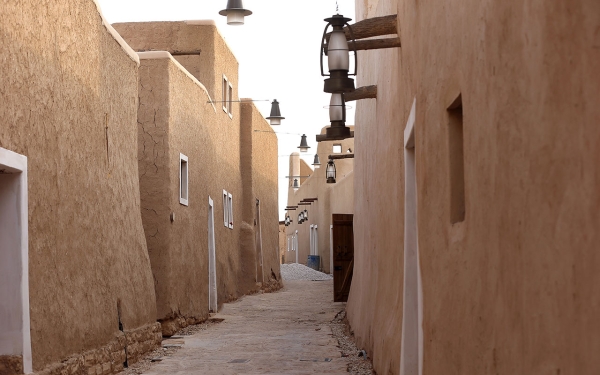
411 355
13 163
212 260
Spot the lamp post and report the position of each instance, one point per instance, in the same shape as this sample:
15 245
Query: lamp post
235 12
275 117
338 56
303 144
330 172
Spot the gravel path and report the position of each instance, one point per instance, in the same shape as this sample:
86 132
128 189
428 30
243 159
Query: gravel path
297 271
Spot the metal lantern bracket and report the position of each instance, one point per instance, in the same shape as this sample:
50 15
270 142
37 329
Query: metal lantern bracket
323 51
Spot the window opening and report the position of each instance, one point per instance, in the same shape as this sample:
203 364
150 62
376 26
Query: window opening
225 209
183 179
230 207
457 162
337 149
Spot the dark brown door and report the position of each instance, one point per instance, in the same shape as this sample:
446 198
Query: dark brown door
343 256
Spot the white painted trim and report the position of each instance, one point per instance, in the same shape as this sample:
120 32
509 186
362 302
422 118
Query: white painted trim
297 250
230 207
212 259
411 354
225 209
12 162
224 93
184 200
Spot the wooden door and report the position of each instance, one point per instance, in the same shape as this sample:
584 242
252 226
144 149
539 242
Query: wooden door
343 255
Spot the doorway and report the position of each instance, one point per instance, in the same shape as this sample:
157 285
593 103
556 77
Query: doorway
411 356
343 255
260 274
15 339
212 261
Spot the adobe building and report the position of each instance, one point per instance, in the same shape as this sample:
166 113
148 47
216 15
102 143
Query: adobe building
477 190
208 173
76 288
313 236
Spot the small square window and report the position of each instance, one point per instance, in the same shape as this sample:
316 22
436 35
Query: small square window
337 149
183 179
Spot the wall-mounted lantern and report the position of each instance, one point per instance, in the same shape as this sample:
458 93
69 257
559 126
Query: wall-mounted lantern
305 214
295 184
303 144
301 217
235 12
317 162
338 56
330 172
275 117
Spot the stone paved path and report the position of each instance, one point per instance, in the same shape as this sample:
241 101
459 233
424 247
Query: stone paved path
277 333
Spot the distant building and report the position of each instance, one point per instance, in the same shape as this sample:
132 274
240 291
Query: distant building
313 237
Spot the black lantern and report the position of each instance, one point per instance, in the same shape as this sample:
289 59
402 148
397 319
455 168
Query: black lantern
317 162
330 172
235 12
296 185
303 144
305 214
338 56
275 117
301 218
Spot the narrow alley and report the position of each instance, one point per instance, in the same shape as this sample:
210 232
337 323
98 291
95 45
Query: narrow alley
286 332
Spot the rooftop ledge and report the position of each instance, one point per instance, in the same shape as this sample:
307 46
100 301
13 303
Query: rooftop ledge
164 55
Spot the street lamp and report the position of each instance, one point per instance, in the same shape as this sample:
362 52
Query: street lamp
330 172
338 56
296 185
305 214
303 144
301 218
275 117
235 12
317 162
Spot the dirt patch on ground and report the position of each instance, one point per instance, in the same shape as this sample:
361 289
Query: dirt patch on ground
358 361
169 347
10 365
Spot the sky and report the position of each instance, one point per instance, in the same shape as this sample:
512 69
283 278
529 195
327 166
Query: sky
278 52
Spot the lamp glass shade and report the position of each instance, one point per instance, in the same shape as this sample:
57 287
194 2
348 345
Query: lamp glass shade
338 53
235 17
275 121
306 214
336 108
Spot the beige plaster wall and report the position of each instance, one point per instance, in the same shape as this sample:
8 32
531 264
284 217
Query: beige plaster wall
512 289
69 99
171 122
332 198
264 168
